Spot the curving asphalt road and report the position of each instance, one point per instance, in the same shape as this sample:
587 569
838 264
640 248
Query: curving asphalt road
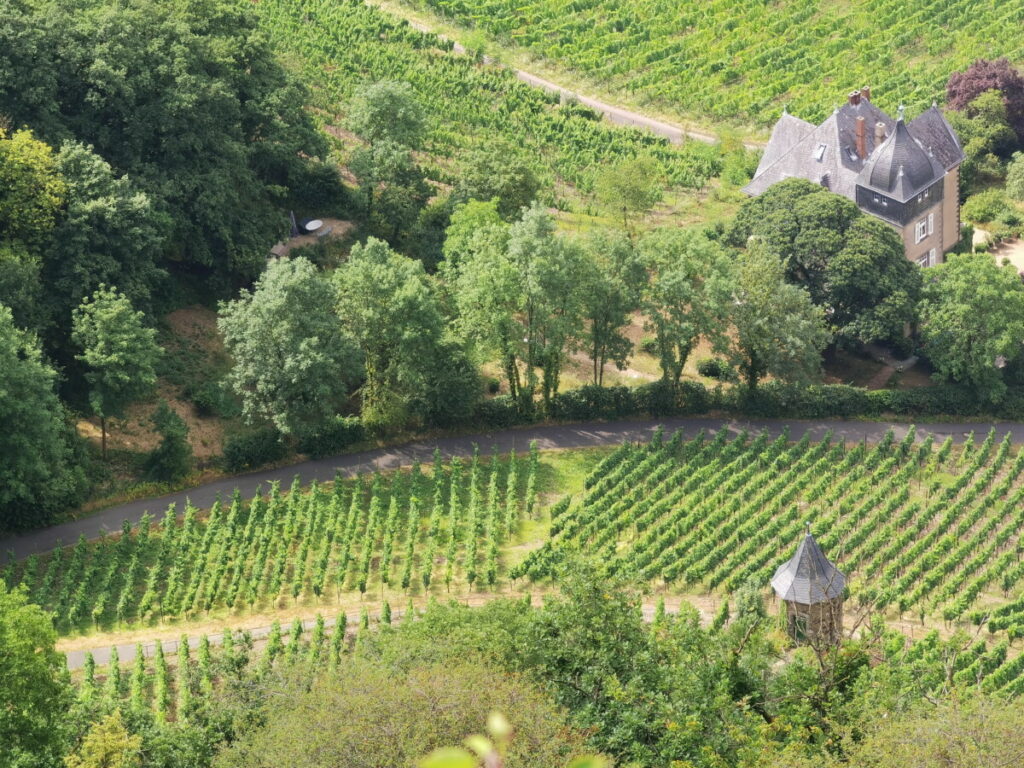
548 437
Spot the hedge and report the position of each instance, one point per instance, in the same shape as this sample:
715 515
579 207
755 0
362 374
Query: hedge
333 437
253 449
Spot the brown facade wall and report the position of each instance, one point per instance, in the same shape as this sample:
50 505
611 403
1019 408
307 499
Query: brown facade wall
951 209
916 250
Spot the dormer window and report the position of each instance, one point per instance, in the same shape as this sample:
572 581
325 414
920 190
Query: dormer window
852 154
819 153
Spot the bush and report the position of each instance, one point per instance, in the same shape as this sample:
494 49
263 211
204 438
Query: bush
985 206
649 345
500 411
713 368
333 437
493 385
211 399
253 449
172 459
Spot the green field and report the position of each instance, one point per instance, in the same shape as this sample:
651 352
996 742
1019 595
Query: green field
741 61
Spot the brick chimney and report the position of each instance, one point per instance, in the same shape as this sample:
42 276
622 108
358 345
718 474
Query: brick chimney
865 93
854 98
879 133
862 147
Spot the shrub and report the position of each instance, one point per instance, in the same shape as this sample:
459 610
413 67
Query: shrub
713 368
253 449
649 345
332 437
211 399
985 206
500 411
493 385
172 459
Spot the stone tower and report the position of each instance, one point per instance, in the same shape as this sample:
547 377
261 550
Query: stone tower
812 588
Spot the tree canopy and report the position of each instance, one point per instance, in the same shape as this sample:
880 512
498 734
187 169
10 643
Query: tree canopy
293 364
984 75
972 318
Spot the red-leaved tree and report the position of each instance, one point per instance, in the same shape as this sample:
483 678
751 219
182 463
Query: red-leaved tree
983 75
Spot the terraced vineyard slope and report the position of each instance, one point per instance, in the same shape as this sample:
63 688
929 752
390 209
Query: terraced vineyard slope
742 60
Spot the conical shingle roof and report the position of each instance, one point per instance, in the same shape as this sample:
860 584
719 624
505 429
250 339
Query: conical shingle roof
808 578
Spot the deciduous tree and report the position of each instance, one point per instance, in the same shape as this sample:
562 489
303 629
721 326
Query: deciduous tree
293 364
119 351
777 329
630 187
972 321
387 111
983 75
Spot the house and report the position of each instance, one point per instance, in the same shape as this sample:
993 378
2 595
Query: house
906 174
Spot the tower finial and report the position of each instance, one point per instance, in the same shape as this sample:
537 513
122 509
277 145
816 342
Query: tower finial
808 525
899 114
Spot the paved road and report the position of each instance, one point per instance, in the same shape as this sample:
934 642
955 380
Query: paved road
547 436
618 115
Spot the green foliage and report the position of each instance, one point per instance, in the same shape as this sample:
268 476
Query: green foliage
972 316
630 188
986 136
40 472
171 460
394 317
778 330
119 351
1015 177
33 692
688 296
188 99
985 207
249 450
387 111
293 365
333 436
500 173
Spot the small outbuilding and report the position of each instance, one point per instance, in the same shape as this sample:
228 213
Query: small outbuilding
812 589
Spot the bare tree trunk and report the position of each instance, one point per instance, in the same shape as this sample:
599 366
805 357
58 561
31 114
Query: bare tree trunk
103 437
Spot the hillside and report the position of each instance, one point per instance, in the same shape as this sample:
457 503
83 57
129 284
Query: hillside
742 61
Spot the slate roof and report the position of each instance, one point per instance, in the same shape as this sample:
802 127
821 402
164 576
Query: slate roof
827 154
808 578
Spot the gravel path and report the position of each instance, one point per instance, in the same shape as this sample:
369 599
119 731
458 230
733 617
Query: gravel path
548 437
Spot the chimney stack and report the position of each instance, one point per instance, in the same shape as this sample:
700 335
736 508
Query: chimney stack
879 133
865 93
862 147
854 98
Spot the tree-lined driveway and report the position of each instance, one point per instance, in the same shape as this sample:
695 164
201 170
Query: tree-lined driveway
548 437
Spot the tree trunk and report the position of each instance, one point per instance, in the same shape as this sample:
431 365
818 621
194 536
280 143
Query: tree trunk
103 437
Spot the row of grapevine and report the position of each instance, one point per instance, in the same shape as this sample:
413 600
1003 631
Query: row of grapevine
742 62
917 527
309 545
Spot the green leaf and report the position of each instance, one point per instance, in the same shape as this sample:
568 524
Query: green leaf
448 757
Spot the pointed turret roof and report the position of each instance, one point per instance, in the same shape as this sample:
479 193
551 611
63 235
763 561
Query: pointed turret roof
901 167
808 578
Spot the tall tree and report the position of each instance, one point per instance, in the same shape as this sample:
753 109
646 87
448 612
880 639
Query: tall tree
394 189
983 75
119 351
611 288
872 287
31 195
39 473
108 744
500 173
630 187
972 321
34 695
986 135
387 304
293 364
688 295
777 329
387 111
172 459
109 233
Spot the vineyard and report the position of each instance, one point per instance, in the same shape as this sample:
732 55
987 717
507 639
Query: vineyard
921 529
409 530
337 45
743 61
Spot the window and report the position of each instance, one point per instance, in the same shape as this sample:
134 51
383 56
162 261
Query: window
931 258
819 153
920 231
923 261
931 223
